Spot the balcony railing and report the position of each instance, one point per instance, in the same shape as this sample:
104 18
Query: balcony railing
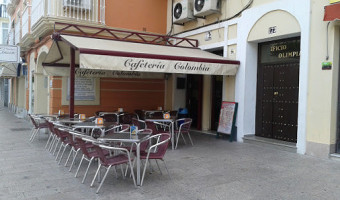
3 12
25 21
79 10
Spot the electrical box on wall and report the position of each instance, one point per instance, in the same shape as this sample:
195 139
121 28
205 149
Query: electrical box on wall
206 7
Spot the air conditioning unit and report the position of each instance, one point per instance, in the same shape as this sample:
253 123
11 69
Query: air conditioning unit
79 4
183 11
206 7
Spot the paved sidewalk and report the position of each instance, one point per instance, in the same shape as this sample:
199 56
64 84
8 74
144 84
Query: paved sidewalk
212 169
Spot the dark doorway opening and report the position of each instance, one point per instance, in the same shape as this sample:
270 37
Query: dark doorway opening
194 99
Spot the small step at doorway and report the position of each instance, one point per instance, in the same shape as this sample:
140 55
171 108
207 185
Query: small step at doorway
268 142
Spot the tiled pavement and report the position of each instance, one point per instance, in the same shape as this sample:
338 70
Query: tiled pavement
212 169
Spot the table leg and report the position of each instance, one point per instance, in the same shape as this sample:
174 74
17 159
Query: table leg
172 135
138 163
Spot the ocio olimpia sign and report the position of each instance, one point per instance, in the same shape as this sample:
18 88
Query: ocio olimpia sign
334 1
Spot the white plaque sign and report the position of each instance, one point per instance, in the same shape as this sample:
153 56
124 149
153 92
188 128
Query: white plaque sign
9 53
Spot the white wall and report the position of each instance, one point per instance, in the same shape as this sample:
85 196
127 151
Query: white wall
247 54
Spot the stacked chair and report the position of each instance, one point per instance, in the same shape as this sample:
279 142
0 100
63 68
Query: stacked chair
108 155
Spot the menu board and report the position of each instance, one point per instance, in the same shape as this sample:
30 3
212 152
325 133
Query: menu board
227 117
84 89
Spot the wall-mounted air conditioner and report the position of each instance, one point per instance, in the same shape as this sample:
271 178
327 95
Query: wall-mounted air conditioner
183 11
79 4
206 7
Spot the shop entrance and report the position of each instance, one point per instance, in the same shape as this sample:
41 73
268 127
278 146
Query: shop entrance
194 99
278 90
216 95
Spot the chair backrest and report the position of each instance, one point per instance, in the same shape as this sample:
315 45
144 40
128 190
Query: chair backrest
97 113
173 114
83 147
140 114
69 137
151 125
161 145
35 124
126 118
144 145
185 125
139 123
109 117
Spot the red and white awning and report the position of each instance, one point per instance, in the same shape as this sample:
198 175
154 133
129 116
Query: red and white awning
332 12
104 54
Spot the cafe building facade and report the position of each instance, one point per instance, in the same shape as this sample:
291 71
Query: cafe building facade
287 82
283 85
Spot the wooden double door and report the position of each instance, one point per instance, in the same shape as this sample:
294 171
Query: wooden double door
277 100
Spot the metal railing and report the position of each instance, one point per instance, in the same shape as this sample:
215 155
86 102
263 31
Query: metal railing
79 10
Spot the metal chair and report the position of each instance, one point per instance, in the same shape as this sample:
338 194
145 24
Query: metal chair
38 124
184 128
77 145
121 156
88 155
156 152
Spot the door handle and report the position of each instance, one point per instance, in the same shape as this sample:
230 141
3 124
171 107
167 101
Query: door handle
276 93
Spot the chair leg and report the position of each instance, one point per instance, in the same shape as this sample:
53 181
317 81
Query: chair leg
74 158
192 144
101 183
69 156
62 154
48 140
146 163
61 146
56 145
95 175
82 158
166 168
185 142
32 133
52 143
177 141
87 169
133 174
159 167
121 168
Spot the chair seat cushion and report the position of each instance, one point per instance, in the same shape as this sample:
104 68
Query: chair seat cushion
116 160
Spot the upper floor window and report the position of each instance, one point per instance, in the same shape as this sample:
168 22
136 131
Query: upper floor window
3 12
4 33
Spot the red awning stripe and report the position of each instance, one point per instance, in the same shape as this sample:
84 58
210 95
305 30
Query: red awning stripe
332 12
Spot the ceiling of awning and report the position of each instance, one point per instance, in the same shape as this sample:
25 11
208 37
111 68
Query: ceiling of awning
332 12
8 70
103 54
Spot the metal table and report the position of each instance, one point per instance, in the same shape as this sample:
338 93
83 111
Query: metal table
93 125
126 137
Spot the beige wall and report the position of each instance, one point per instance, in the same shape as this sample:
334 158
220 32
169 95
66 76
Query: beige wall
21 92
285 24
228 9
322 84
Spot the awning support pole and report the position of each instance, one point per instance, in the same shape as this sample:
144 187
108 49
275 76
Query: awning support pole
72 76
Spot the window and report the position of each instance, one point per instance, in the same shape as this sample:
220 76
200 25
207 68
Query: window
4 33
